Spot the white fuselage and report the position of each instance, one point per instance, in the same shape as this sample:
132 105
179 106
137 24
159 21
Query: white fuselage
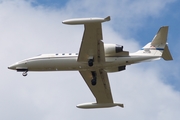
68 62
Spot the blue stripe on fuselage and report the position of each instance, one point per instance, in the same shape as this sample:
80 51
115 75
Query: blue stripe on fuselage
156 48
159 48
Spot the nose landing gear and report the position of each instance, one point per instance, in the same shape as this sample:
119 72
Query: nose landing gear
24 70
25 73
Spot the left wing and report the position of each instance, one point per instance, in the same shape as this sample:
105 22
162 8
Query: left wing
91 45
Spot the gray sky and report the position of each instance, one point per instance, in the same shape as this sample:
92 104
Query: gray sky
28 30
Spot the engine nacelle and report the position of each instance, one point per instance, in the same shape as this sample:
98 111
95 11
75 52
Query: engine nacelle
112 49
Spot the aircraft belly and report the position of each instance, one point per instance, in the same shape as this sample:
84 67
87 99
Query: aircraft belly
70 63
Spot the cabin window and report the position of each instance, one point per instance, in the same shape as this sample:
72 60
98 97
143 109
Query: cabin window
63 54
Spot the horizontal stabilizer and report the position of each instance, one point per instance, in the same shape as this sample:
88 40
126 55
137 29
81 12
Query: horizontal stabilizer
98 105
166 54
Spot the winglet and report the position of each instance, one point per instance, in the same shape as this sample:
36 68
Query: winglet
85 20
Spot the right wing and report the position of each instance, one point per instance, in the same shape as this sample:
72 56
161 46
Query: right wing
102 90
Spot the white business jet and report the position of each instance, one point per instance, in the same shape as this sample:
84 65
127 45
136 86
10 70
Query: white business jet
96 59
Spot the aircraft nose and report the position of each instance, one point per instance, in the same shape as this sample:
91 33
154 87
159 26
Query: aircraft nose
12 67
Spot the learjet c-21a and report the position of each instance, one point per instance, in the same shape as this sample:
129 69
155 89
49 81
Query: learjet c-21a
95 59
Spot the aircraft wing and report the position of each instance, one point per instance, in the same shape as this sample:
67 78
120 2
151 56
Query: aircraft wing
91 45
102 90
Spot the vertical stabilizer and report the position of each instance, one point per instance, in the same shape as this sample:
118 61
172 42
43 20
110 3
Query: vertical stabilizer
158 46
160 38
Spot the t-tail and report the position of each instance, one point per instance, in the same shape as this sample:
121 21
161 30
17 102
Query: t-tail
158 46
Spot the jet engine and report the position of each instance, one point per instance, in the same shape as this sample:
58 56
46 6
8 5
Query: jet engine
112 49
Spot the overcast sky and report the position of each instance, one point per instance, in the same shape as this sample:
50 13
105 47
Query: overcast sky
149 91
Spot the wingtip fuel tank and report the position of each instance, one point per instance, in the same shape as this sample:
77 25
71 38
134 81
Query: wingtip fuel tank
85 20
98 105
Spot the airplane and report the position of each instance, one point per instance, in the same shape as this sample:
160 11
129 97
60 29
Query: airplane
95 59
